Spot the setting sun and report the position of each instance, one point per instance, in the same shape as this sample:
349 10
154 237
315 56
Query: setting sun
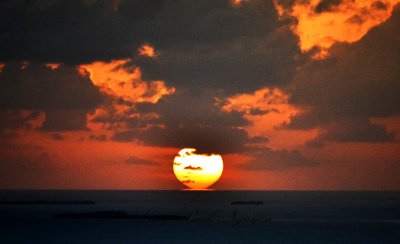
197 171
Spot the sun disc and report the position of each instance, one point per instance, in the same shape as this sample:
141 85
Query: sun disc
197 171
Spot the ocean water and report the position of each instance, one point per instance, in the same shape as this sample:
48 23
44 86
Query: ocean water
199 217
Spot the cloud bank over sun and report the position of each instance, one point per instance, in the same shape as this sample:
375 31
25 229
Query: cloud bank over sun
293 94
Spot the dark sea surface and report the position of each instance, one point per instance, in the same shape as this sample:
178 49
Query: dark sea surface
199 217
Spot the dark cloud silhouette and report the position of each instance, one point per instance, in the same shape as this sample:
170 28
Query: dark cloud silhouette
99 30
237 66
193 107
73 31
14 119
11 120
190 167
37 87
190 119
64 95
353 131
100 137
188 181
202 46
204 139
65 120
358 82
201 43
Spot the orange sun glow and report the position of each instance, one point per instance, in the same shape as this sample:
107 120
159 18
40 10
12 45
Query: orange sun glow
197 171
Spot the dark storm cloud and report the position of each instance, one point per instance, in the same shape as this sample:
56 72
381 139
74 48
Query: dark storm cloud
201 43
79 31
37 87
205 139
65 120
240 65
190 119
268 159
193 107
206 49
63 94
353 130
72 31
359 81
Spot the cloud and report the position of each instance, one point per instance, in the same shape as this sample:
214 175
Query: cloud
63 94
14 119
187 181
100 31
123 81
65 120
202 47
189 119
190 167
206 43
268 159
353 130
358 82
80 31
205 139
238 65
146 50
320 24
218 46
101 137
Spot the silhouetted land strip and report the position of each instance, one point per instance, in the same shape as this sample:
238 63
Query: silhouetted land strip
45 202
118 215
247 203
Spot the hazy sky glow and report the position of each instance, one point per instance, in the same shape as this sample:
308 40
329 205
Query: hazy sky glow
293 94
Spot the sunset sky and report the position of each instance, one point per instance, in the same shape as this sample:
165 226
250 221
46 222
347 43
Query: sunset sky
294 94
